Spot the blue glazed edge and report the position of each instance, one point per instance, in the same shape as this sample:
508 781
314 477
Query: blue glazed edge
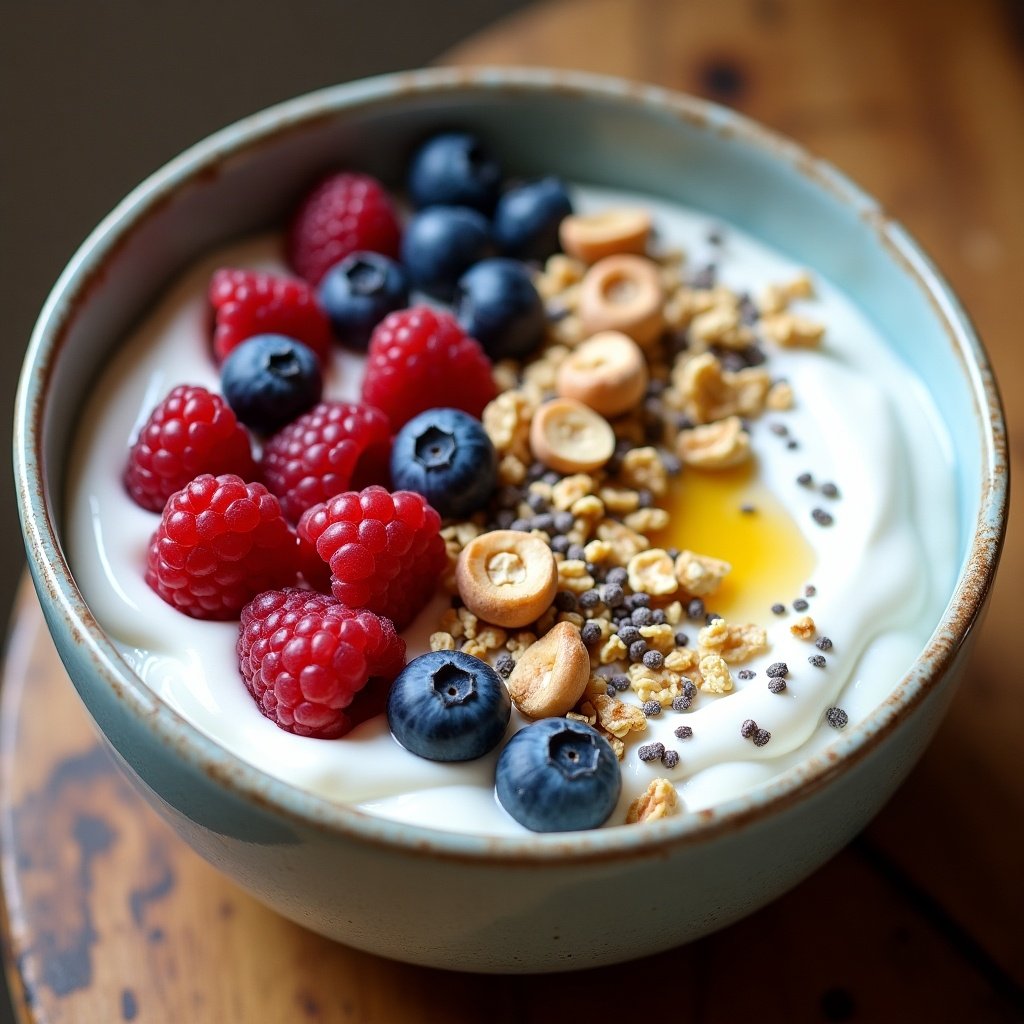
72 624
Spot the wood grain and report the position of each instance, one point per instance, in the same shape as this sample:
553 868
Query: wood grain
110 918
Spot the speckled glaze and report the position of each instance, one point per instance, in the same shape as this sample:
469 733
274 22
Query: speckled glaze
470 902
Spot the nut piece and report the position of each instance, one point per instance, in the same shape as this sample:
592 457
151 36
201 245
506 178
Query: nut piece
623 293
715 445
551 676
659 800
570 437
608 372
592 236
507 577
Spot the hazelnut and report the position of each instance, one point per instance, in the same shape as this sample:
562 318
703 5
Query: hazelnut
507 577
593 236
608 372
570 437
551 675
623 293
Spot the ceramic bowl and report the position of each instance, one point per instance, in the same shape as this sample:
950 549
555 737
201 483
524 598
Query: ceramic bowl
468 902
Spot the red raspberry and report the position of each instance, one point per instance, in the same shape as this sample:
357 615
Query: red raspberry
343 214
385 550
314 666
420 359
248 302
332 448
220 542
190 432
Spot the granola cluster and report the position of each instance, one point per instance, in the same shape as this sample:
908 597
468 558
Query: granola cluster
639 606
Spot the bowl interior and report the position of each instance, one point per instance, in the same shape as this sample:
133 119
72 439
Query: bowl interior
595 131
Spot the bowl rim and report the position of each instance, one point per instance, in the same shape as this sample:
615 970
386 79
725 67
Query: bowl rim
70 614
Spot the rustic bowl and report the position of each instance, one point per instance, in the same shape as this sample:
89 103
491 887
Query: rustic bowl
545 902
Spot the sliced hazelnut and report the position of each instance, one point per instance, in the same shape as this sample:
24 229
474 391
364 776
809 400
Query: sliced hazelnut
550 677
608 372
592 236
623 293
570 437
506 577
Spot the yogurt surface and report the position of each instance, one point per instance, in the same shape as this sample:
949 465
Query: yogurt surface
881 576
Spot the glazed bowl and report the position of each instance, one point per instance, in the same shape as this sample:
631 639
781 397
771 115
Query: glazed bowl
506 903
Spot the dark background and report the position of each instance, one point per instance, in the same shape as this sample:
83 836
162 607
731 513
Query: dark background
96 95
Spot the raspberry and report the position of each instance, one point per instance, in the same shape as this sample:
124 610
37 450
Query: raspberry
385 550
332 448
250 302
307 659
190 432
344 213
420 359
219 543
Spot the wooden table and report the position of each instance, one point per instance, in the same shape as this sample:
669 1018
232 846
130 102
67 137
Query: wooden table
110 918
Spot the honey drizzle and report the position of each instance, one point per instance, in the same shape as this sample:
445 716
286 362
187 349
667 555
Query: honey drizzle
771 561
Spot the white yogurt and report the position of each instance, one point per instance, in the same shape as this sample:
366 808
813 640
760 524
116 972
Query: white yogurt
883 571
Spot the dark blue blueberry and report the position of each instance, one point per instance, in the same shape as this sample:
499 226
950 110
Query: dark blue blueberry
448 706
269 380
359 292
445 455
497 303
454 169
558 775
440 244
526 219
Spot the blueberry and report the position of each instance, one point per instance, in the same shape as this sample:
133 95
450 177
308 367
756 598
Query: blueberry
527 217
359 292
269 380
558 775
496 303
445 455
440 243
454 169
448 706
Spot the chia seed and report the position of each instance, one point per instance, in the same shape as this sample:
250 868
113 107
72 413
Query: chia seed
559 543
810 590
792 444
777 670
746 673
672 463
520 525
761 737
613 594
821 517
837 718
830 490
817 660
576 553
620 682
651 751
748 728
805 479
681 639
617 576
637 650
670 759
800 605
681 704
747 509
684 732
609 690
711 617
537 501
641 616
565 601
689 690
590 633
779 609
544 521
564 521
652 708
776 685
823 643
641 600
646 498
658 617
629 634
589 599
504 664
654 659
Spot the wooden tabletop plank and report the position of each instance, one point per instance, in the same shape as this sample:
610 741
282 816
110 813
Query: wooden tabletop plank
110 918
